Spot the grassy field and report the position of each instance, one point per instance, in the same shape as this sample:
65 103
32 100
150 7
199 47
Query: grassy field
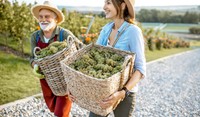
16 80
156 54
171 27
178 27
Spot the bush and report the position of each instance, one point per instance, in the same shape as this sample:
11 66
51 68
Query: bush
158 43
194 30
167 44
150 43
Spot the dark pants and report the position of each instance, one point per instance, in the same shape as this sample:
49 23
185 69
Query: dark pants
60 105
124 109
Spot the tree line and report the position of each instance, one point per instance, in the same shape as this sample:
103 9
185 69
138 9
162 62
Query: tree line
17 22
162 16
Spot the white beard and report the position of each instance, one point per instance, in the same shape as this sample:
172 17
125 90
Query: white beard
47 27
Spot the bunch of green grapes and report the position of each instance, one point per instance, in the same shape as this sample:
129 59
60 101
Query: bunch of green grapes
98 63
51 49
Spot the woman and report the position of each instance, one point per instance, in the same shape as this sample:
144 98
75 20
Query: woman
123 34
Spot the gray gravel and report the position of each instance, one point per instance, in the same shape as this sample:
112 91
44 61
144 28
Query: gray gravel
171 89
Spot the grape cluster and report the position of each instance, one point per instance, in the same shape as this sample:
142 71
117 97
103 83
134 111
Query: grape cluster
99 63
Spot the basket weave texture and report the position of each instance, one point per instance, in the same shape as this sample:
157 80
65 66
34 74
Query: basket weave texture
50 66
89 90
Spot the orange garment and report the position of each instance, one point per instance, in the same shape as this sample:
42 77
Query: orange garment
60 105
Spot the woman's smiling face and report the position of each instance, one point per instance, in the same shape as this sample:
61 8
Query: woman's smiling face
109 9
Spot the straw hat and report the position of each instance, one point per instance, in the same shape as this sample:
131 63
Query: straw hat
130 5
47 5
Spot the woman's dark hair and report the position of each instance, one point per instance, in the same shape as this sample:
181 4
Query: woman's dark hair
120 13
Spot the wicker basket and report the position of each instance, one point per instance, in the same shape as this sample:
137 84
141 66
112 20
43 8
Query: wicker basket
89 90
50 66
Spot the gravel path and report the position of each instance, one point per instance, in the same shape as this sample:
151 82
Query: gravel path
171 89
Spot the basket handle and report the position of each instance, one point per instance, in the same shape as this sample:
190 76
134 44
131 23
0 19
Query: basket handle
34 51
70 40
79 45
126 61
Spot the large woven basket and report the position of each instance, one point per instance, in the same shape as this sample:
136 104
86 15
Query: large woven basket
50 66
89 90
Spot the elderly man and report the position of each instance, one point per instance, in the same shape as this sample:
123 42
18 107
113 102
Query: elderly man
49 16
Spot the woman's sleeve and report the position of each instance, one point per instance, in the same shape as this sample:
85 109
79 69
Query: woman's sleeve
136 43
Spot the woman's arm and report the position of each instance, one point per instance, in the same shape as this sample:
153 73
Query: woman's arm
136 44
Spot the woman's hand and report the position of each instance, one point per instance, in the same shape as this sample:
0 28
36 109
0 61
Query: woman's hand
112 99
70 96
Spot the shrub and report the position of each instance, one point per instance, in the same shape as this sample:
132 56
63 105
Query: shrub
194 30
150 43
158 43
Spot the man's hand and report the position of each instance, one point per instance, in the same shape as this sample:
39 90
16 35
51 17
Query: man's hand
37 72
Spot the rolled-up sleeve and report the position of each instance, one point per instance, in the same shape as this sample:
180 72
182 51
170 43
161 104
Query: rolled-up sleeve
136 43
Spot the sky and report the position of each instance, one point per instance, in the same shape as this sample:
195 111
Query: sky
101 2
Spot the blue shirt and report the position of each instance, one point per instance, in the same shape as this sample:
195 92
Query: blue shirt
130 40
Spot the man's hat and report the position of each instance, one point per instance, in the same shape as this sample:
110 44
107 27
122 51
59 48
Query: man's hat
130 5
47 5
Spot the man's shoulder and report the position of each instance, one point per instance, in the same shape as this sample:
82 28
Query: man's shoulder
66 31
35 33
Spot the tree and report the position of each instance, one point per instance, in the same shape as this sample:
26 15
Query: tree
23 23
165 16
190 17
198 7
155 15
6 15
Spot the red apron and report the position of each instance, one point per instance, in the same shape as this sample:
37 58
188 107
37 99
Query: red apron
60 105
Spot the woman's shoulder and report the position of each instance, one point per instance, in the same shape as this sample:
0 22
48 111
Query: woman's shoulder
107 26
135 28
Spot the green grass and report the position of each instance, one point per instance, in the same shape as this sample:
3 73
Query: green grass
156 54
175 28
171 27
16 80
178 27
195 44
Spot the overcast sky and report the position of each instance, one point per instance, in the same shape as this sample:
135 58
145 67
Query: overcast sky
101 2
